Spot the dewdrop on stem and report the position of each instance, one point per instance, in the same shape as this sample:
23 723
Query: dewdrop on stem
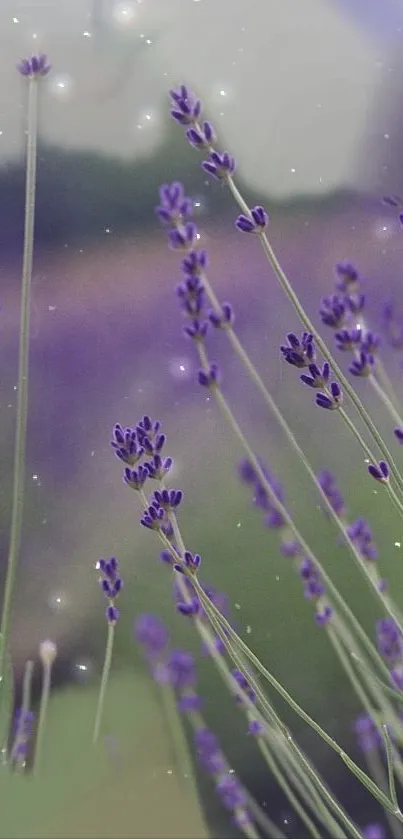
47 654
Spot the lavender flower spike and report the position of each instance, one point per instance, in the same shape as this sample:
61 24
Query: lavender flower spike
35 67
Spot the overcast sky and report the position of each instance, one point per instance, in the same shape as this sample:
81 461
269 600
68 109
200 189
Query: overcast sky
290 84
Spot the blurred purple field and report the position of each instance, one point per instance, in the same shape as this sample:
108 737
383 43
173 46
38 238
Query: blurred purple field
107 346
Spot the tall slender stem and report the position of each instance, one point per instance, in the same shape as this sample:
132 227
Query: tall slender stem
23 364
104 681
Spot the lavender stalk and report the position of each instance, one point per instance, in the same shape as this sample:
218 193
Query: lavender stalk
33 69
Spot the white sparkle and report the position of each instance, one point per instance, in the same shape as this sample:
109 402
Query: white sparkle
15 20
124 14
87 34
398 544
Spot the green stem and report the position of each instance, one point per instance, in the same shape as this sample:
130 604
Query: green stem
386 401
305 320
383 380
219 622
286 787
295 771
22 382
391 772
43 708
104 681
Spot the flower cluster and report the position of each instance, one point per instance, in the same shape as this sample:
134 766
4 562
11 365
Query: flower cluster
342 312
289 547
200 133
175 211
111 584
132 445
301 353
35 67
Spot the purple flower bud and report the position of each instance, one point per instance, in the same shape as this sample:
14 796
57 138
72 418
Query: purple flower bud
35 67
363 365
219 165
399 434
196 330
347 275
201 136
255 728
348 339
256 222
333 311
186 108
324 615
389 639
135 478
318 378
209 378
332 401
226 318
299 353
183 238
327 482
380 471
112 614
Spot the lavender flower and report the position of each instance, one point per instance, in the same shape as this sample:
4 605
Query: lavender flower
327 482
318 378
333 311
111 584
211 377
224 319
186 108
35 67
348 339
152 635
347 276
389 640
255 223
299 353
361 535
220 165
174 207
398 432
379 471
362 365
332 399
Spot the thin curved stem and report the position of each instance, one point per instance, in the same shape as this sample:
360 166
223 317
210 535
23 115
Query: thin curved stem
43 708
385 399
22 383
104 681
227 632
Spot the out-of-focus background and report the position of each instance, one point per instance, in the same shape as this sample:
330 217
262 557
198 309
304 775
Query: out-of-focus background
306 94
